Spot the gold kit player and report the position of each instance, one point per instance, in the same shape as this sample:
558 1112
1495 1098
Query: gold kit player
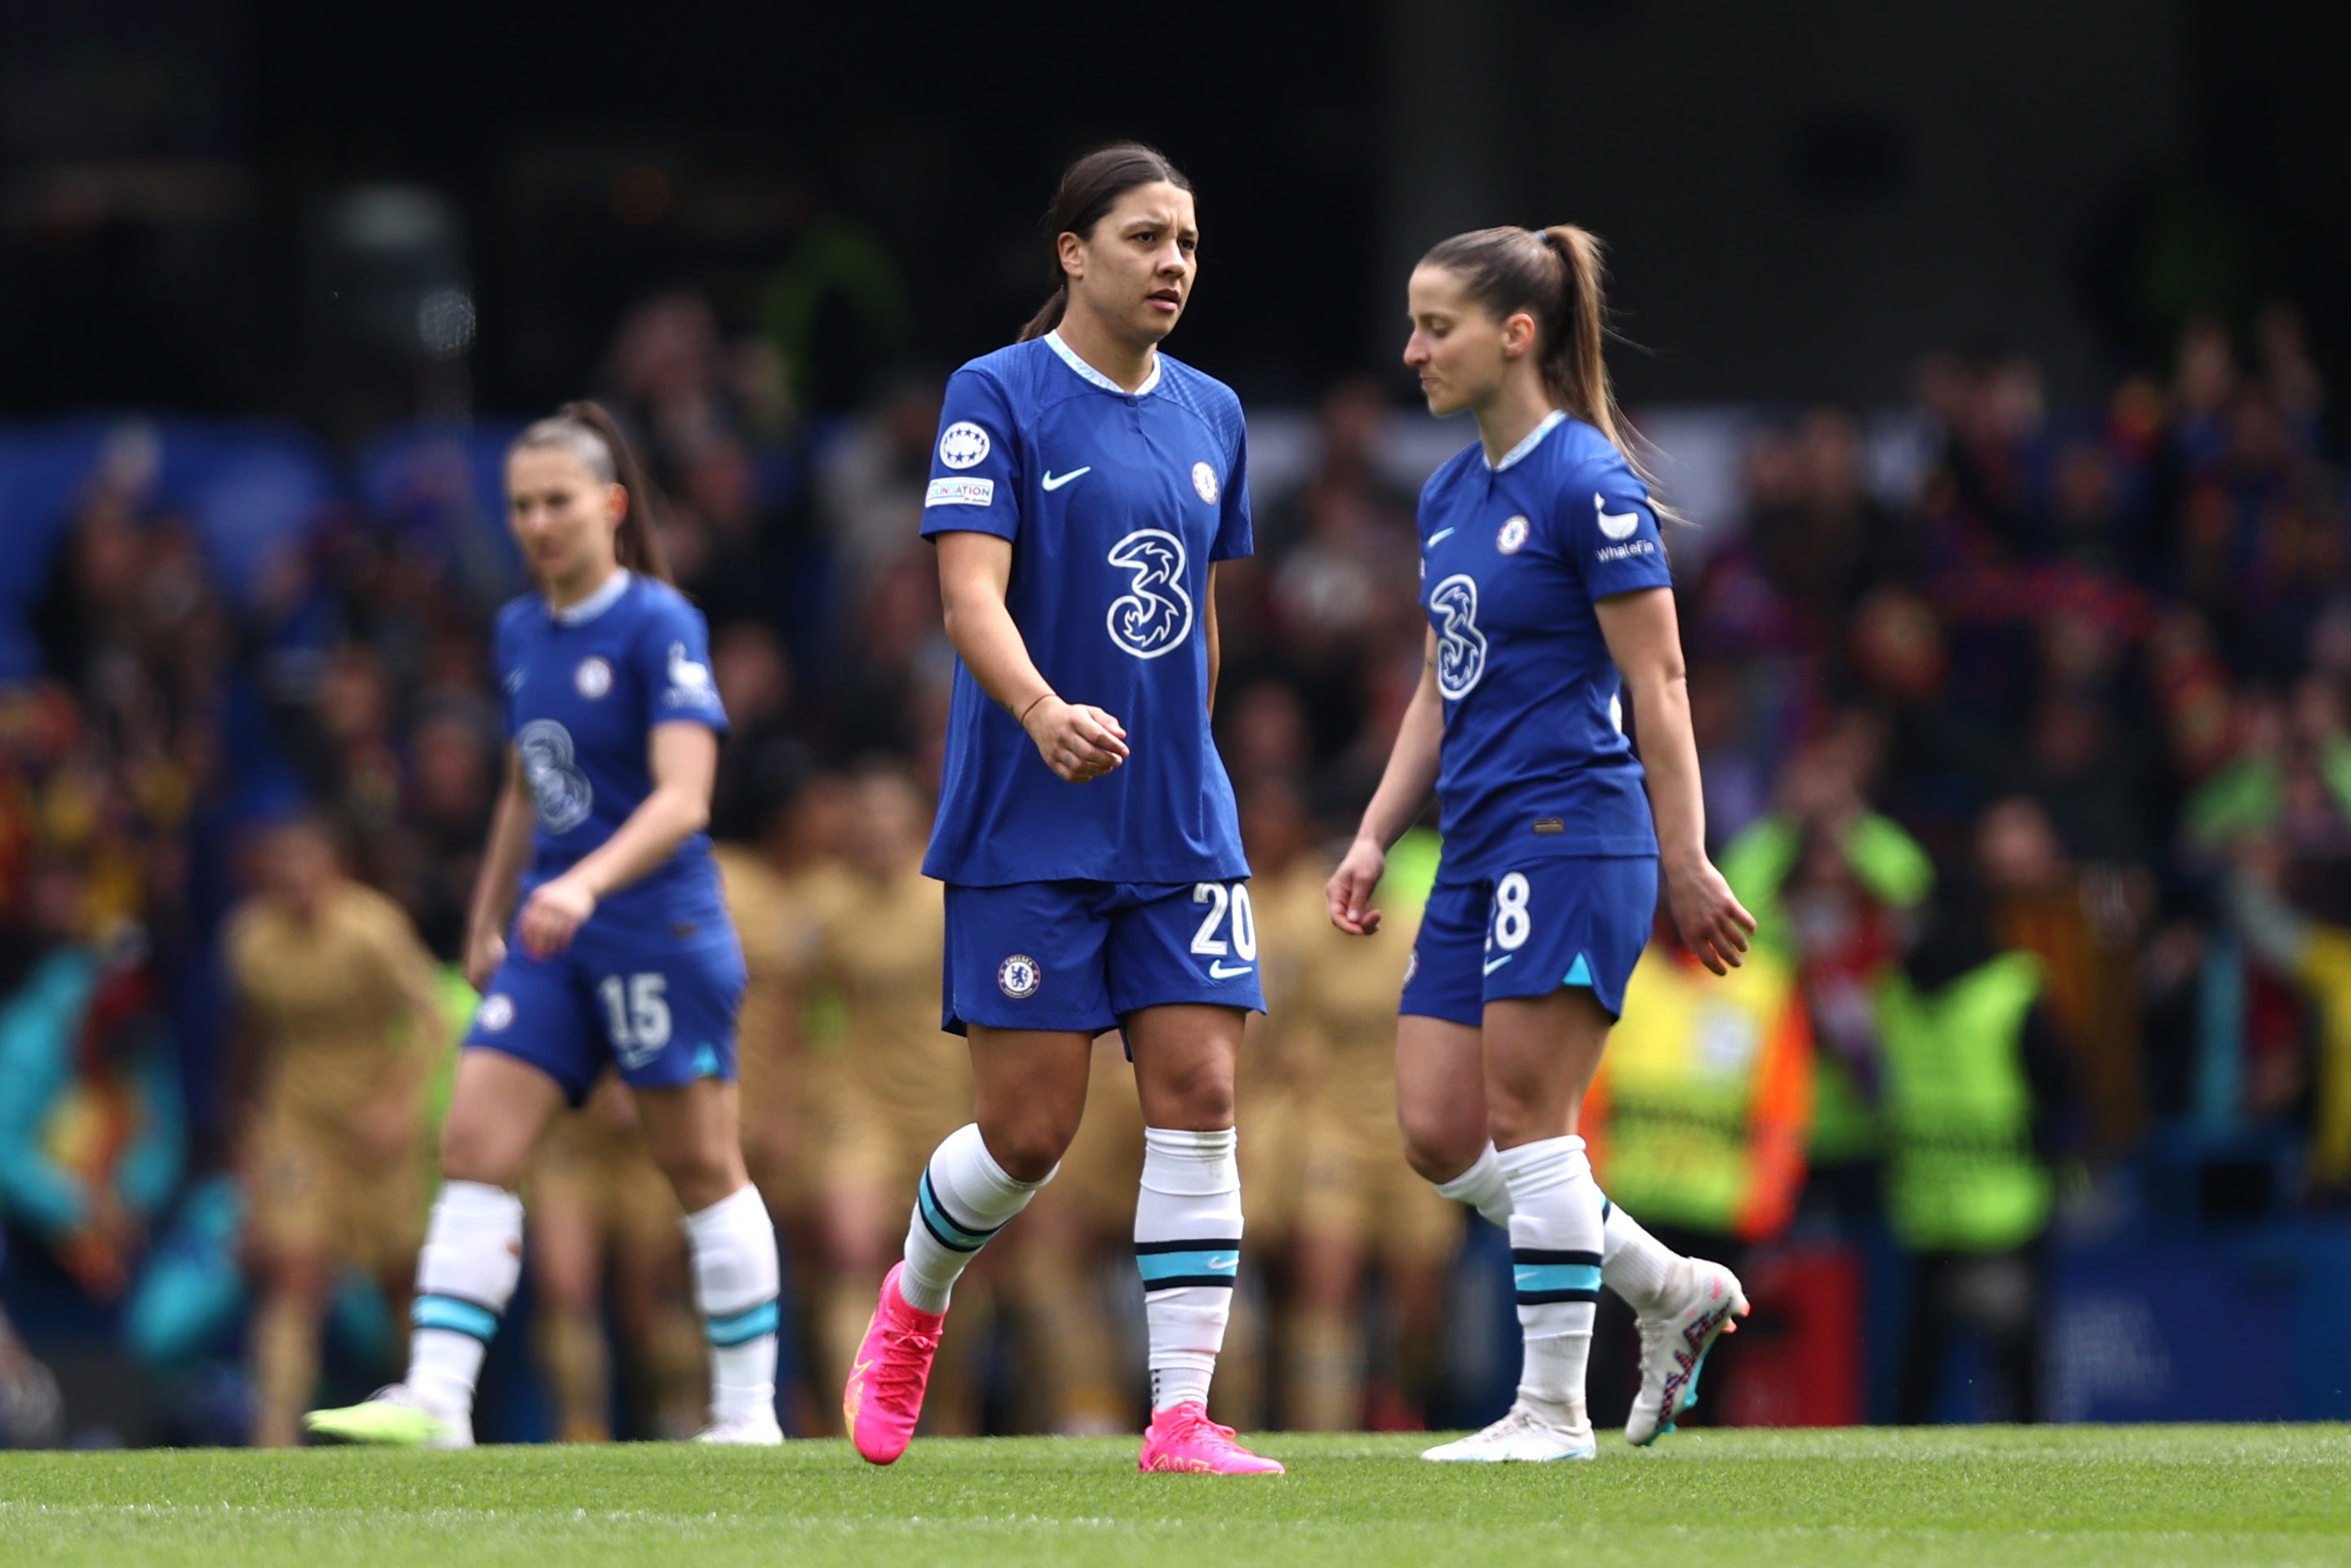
340 1025
778 889
898 1083
1333 1000
600 1212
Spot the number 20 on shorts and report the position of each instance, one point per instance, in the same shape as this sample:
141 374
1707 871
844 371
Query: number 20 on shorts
1222 901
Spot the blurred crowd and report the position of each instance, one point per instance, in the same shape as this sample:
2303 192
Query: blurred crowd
2036 768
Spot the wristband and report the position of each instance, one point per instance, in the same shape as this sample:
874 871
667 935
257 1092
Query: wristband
1023 719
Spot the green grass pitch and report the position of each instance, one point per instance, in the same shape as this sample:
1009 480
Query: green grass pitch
2145 1498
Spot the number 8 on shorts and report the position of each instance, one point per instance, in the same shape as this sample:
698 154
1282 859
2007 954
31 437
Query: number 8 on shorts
1512 922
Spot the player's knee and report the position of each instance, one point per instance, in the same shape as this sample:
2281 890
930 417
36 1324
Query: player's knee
1438 1149
1028 1146
476 1149
704 1177
1200 1097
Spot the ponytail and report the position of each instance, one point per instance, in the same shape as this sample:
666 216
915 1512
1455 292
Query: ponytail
1555 275
587 430
1574 367
1089 189
1056 305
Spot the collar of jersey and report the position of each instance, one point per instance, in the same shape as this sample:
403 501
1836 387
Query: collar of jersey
595 604
1069 358
1551 422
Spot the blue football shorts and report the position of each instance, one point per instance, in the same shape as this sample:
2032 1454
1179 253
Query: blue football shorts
663 1012
1082 954
1554 922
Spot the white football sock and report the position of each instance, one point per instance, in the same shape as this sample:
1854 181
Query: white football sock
1482 1188
1633 1263
963 1197
1555 1244
1187 1244
736 1281
465 1276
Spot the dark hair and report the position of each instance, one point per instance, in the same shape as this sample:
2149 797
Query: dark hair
1089 188
1554 275
587 430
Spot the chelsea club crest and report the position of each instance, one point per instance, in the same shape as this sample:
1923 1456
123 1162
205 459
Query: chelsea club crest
1018 977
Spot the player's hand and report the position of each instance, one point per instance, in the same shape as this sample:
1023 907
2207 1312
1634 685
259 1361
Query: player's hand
1349 888
1078 742
557 909
1707 915
485 951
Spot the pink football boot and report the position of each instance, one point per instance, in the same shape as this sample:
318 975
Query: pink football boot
1183 1438
884 1395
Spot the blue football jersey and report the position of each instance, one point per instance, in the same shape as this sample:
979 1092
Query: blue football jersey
1116 503
1513 556
584 688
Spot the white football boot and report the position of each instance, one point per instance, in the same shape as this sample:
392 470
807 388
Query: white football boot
1520 1435
756 1430
1704 1303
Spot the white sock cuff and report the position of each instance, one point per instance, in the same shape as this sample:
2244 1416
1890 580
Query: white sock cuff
1191 1165
478 1206
737 1273
967 1142
743 1207
1545 1164
1473 1183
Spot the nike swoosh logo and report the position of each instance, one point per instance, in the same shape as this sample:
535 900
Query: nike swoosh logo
1225 1261
1494 964
1220 970
1615 525
1438 534
1055 481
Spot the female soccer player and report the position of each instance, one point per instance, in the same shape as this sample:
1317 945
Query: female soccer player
1544 576
1083 487
626 957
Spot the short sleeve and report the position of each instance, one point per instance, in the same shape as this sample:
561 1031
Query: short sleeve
1234 536
672 659
1608 530
976 466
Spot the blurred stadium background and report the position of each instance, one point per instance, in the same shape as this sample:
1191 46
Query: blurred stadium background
1989 348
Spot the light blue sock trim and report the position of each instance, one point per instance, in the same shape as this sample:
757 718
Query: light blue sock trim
1214 1263
743 1327
1541 1278
950 1232
454 1315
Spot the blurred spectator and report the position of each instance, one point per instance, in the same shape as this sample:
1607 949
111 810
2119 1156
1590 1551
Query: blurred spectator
92 1133
1975 1091
869 483
1830 882
2082 925
1697 1124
